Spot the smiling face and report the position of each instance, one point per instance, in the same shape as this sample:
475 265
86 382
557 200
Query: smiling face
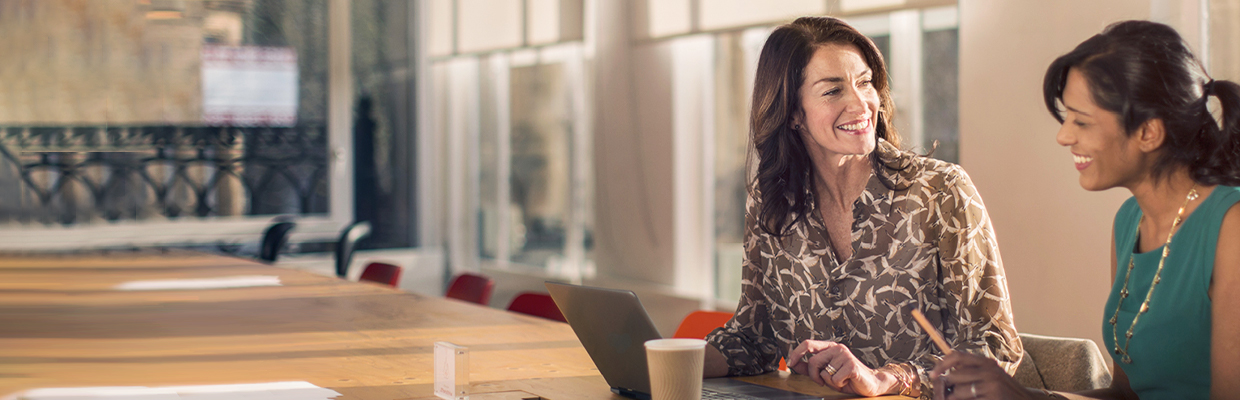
1105 156
838 104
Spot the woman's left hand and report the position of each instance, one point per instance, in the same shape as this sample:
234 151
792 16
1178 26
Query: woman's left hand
832 364
973 377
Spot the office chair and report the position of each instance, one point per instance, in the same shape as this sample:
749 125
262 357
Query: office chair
1061 364
536 304
349 239
274 239
380 272
700 323
472 288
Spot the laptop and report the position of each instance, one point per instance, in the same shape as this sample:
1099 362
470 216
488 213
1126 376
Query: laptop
614 327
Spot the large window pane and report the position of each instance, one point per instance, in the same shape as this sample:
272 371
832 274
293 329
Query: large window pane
940 87
383 128
150 110
539 180
736 58
493 162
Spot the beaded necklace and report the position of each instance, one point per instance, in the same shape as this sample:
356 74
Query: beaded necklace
1145 305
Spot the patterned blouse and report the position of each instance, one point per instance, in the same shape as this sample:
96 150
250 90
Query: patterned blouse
930 247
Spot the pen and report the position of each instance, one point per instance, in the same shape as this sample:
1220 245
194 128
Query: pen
934 333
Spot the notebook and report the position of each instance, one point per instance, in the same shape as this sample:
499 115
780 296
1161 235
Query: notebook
613 327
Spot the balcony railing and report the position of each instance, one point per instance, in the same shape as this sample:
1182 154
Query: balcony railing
88 174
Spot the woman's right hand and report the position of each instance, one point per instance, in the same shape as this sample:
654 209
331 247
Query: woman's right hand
833 364
963 376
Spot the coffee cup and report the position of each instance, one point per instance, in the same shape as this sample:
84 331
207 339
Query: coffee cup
675 367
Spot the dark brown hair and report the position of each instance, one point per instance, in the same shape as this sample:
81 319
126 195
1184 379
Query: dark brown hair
1141 70
784 174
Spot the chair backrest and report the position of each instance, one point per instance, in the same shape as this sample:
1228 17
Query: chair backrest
536 304
1061 364
699 323
347 243
380 272
473 288
274 239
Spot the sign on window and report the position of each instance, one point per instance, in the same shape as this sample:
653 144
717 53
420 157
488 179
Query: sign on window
249 86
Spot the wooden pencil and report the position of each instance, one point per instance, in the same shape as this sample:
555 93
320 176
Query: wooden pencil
934 333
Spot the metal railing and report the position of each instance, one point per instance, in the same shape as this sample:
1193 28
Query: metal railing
87 174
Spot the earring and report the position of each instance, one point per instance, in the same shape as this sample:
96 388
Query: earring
796 127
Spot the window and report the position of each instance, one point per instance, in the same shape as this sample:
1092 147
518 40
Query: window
200 119
510 116
525 159
383 121
510 110
529 161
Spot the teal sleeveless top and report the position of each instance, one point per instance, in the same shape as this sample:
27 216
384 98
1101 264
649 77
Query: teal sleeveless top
1170 346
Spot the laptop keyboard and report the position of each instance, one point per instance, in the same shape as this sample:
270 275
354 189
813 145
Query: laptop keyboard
711 394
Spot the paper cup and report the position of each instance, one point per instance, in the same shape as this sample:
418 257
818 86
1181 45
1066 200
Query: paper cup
675 367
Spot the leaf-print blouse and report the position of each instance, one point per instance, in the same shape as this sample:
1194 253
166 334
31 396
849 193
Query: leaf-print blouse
929 247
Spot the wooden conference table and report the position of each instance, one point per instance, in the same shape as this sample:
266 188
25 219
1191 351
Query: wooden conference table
62 324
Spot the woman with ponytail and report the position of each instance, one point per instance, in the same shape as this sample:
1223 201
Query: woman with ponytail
1134 104
846 233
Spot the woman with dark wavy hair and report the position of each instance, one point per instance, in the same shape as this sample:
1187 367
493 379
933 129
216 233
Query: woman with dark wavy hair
1133 104
846 233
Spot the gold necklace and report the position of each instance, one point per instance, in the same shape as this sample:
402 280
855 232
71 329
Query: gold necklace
1145 305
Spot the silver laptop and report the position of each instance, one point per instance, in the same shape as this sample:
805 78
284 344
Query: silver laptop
614 327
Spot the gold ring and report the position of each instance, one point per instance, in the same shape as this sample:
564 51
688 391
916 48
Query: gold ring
830 370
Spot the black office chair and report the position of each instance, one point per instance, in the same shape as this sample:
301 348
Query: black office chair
274 239
349 239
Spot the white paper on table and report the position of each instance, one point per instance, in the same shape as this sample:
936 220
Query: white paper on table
252 391
203 283
103 392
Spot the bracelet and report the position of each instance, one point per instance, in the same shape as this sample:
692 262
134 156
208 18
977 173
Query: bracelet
905 380
1051 394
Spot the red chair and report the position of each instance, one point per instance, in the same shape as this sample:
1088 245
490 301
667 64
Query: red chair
700 323
472 288
536 304
384 273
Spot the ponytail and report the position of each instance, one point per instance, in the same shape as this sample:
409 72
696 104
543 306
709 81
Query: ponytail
1218 161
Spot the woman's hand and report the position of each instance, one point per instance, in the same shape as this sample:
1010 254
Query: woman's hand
973 377
832 364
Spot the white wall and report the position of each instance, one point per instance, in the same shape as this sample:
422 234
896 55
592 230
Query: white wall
632 112
1053 235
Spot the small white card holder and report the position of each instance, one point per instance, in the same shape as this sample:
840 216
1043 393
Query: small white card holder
451 371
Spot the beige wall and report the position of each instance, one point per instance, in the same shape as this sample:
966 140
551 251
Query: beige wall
632 112
1054 236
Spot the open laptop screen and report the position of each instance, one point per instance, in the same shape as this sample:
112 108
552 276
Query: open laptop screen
613 327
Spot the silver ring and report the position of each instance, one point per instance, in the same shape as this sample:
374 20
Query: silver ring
973 389
830 370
